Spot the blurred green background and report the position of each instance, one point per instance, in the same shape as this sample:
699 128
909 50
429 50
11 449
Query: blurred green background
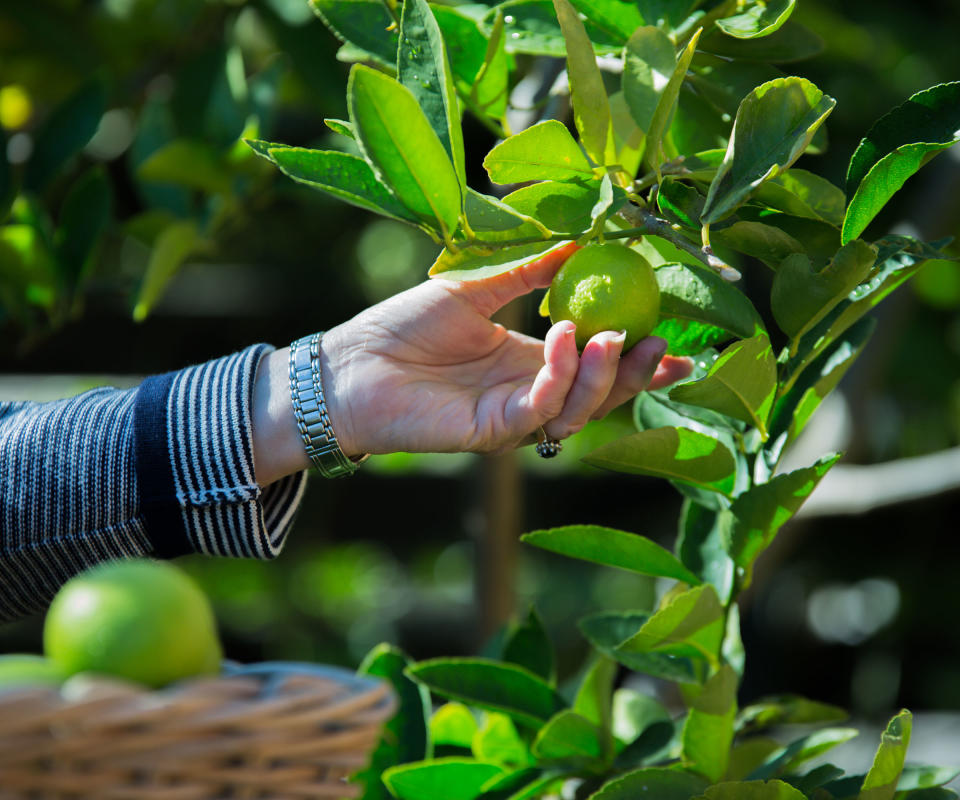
137 236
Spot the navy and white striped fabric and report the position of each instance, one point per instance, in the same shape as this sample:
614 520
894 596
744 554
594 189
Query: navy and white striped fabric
160 470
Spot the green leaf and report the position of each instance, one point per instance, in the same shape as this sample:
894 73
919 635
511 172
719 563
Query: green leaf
674 453
930 117
27 270
170 250
398 141
634 712
404 738
788 758
440 779
612 548
761 511
708 731
920 776
724 83
65 132
341 126
531 26
594 699
757 19
652 783
615 18
607 630
689 624
702 544
792 42
483 261
422 67
512 690
563 206
7 185
787 709
545 151
342 175
732 650
751 790
697 294
881 781
489 91
591 108
803 194
521 784
794 409
365 24
499 743
741 383
488 215
452 724
802 294
687 338
528 644
569 739
774 125
189 163
84 216
768 243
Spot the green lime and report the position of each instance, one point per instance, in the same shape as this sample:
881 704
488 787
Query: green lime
25 669
145 621
606 287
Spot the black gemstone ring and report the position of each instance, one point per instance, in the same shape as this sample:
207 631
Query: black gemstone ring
547 447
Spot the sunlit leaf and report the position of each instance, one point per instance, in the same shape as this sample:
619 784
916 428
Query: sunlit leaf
757 19
594 700
651 783
569 738
702 546
545 151
531 26
440 779
803 194
881 781
481 261
491 87
170 250
708 730
498 742
452 724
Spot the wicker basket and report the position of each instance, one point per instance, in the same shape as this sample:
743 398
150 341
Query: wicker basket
265 731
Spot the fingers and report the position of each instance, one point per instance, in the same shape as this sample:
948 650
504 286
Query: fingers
490 294
596 377
670 370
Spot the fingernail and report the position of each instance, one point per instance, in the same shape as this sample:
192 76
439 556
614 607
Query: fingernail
661 346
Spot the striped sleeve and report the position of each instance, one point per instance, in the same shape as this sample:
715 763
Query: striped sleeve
161 470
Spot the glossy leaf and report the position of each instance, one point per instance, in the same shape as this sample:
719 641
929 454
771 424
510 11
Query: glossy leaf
404 738
341 126
761 511
365 24
919 776
688 624
487 214
440 779
767 243
803 294
615 18
652 783
528 644
512 690
531 26
65 132
774 125
347 177
788 758
607 630
545 151
787 709
628 137
708 730
881 781
687 337
634 712
741 383
423 68
792 42
897 146
751 790
673 453
482 261
757 19
398 141
563 206
498 742
452 724
702 546
170 250
795 408
803 194
591 108
612 548
571 739
724 82
489 91
84 217
594 700
523 784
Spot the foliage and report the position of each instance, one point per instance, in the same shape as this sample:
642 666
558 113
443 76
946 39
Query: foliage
506 731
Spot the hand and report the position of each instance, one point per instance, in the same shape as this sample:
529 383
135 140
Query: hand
427 371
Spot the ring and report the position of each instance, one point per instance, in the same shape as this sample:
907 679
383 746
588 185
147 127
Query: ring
547 447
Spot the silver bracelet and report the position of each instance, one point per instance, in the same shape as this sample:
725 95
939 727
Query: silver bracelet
310 410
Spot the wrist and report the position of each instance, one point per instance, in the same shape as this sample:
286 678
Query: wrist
277 448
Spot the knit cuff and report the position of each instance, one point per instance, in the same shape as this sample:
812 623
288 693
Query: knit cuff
194 460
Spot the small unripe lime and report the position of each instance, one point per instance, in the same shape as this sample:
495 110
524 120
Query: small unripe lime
145 621
606 287
23 669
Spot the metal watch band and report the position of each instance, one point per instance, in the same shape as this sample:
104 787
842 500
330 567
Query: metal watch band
310 410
